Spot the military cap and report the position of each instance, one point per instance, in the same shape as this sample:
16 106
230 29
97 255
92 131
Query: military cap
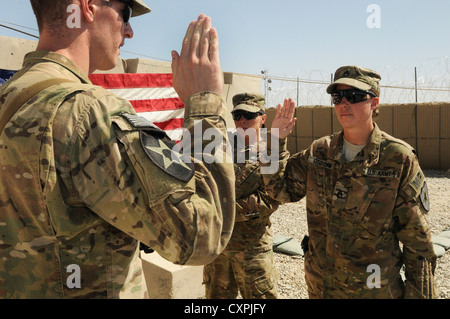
139 8
357 77
250 102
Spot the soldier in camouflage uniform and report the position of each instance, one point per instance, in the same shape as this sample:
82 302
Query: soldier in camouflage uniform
246 265
365 194
84 179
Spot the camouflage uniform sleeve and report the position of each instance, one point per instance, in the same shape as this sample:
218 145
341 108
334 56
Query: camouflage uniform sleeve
251 197
258 202
413 231
288 182
215 224
186 222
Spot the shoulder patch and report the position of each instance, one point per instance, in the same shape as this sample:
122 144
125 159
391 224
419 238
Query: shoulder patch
138 121
424 199
161 152
419 185
417 181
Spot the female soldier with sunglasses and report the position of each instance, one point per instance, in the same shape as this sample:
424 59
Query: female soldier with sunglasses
365 193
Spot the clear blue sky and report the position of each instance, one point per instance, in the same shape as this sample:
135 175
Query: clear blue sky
286 36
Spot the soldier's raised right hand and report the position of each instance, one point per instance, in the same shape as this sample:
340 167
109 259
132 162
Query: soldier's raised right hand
284 120
197 68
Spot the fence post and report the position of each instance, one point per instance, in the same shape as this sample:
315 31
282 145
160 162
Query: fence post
331 99
415 80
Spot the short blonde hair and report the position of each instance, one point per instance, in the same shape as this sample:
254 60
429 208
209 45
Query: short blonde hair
50 12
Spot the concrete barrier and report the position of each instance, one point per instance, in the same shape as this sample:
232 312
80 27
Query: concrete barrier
166 280
13 50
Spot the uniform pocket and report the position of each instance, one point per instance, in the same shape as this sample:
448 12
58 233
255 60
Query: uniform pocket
263 287
370 203
357 197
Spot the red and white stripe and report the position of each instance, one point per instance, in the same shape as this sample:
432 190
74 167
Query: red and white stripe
152 96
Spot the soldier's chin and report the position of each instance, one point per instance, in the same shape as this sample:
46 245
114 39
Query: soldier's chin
107 66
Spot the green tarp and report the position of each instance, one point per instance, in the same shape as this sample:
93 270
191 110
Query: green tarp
287 245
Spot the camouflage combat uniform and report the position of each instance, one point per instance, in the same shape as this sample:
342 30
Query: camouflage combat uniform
357 213
84 180
246 265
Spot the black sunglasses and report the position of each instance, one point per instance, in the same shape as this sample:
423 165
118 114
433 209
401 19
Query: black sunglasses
353 96
247 115
127 12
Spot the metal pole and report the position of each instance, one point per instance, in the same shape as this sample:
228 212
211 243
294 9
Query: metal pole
298 91
266 86
264 73
331 99
415 76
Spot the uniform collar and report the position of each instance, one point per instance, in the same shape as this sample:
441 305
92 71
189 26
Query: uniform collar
370 153
48 56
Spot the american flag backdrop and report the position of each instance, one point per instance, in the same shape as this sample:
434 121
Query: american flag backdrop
151 94
5 75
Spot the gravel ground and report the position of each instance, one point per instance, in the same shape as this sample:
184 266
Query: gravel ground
290 220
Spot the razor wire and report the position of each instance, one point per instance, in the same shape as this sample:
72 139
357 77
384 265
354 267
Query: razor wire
428 82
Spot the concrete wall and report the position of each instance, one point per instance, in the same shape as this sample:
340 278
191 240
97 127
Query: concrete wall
12 51
235 84
147 66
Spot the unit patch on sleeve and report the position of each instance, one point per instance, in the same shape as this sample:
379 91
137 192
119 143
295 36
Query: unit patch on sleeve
161 152
424 199
419 185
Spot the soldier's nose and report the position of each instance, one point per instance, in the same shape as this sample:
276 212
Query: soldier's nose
129 33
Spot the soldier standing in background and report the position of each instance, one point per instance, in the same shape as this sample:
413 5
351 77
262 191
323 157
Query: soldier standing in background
365 194
246 265
84 179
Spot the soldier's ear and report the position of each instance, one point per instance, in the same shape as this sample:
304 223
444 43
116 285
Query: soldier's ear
375 102
88 9
263 118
